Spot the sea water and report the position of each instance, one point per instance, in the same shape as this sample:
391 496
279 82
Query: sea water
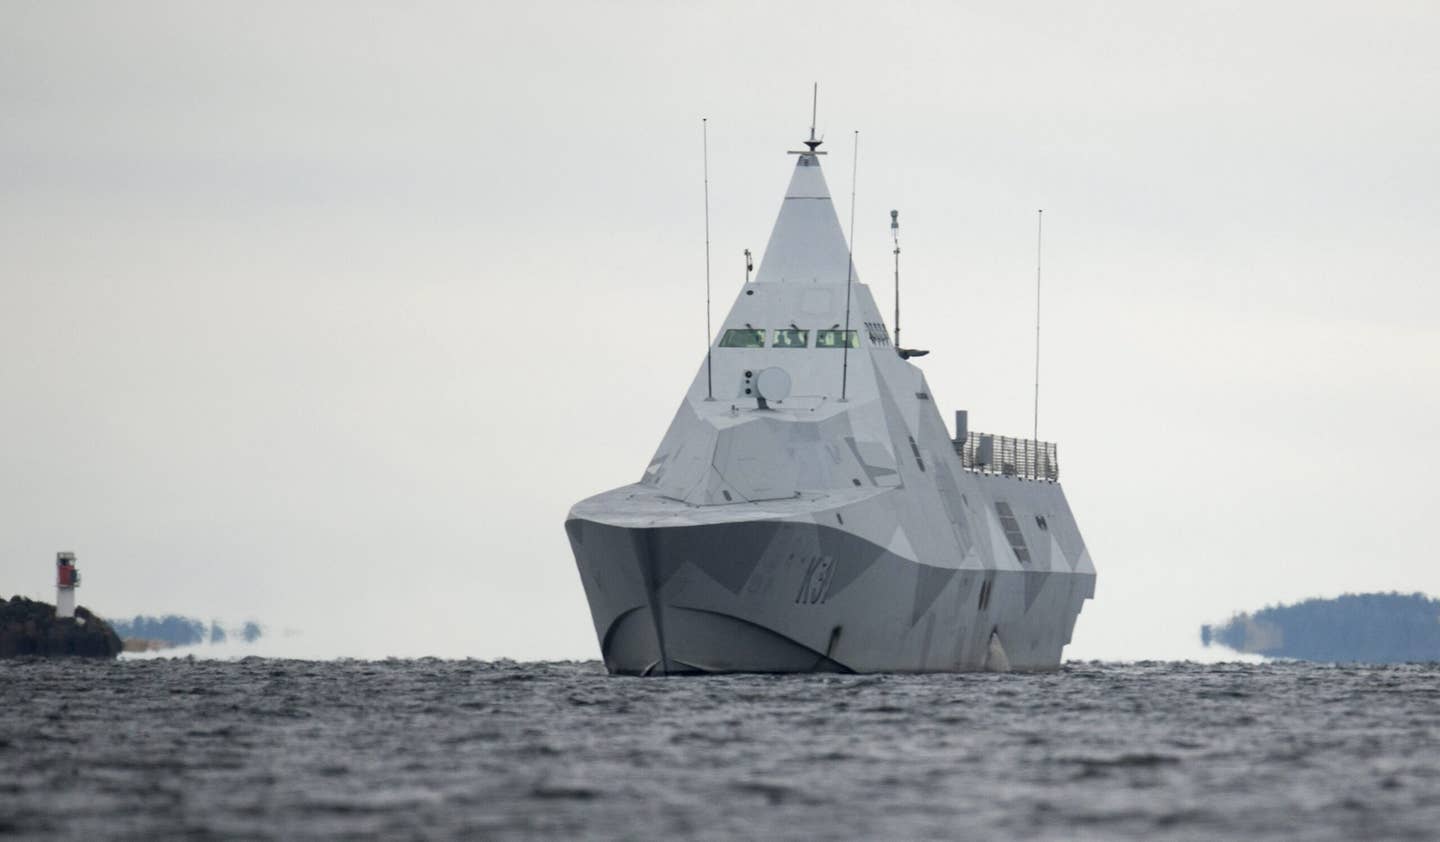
258 748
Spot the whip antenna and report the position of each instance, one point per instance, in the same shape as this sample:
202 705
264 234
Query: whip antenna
709 338
849 270
814 106
749 266
1039 232
895 235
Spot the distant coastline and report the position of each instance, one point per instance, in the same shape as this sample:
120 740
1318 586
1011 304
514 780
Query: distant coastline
144 633
1375 628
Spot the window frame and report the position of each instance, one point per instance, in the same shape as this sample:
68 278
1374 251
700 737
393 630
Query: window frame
757 332
854 338
804 337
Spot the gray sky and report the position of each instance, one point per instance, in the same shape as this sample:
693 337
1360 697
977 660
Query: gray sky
326 313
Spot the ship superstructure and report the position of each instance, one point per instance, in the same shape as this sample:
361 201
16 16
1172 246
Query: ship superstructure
807 510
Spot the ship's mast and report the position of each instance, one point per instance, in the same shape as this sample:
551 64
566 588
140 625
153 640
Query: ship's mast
814 106
814 142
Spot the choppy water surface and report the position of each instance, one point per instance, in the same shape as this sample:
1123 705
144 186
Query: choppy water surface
400 749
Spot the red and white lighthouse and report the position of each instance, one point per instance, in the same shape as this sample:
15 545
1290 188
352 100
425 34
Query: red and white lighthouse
67 578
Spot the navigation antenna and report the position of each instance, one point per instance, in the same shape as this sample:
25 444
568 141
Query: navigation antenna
814 142
709 338
1039 231
849 267
895 235
814 104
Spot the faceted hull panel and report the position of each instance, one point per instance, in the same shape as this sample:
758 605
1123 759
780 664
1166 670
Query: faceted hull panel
795 596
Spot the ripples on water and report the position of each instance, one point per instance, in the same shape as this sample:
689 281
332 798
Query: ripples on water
401 749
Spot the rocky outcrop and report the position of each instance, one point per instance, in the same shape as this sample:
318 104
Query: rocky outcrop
28 627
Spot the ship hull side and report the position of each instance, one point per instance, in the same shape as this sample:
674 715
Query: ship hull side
798 596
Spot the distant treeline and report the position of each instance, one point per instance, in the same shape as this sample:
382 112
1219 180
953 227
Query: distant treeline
1382 628
182 631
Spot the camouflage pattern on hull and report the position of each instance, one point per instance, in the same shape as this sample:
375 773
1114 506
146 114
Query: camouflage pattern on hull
798 596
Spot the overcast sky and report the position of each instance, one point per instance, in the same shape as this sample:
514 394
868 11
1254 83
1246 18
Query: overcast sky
325 314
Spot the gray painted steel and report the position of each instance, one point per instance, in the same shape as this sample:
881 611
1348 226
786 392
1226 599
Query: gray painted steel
809 533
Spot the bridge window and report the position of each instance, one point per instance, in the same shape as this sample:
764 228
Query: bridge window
836 339
743 338
790 338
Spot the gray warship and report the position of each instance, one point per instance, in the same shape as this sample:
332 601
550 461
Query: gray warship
808 510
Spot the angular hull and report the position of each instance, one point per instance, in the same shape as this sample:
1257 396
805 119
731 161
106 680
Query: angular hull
793 595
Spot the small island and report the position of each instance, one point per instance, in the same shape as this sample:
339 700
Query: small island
1374 628
28 627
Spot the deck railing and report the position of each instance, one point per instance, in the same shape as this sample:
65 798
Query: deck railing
1023 458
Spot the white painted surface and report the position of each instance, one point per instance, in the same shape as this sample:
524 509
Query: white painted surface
64 602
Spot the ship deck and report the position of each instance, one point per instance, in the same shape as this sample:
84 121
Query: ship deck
640 506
